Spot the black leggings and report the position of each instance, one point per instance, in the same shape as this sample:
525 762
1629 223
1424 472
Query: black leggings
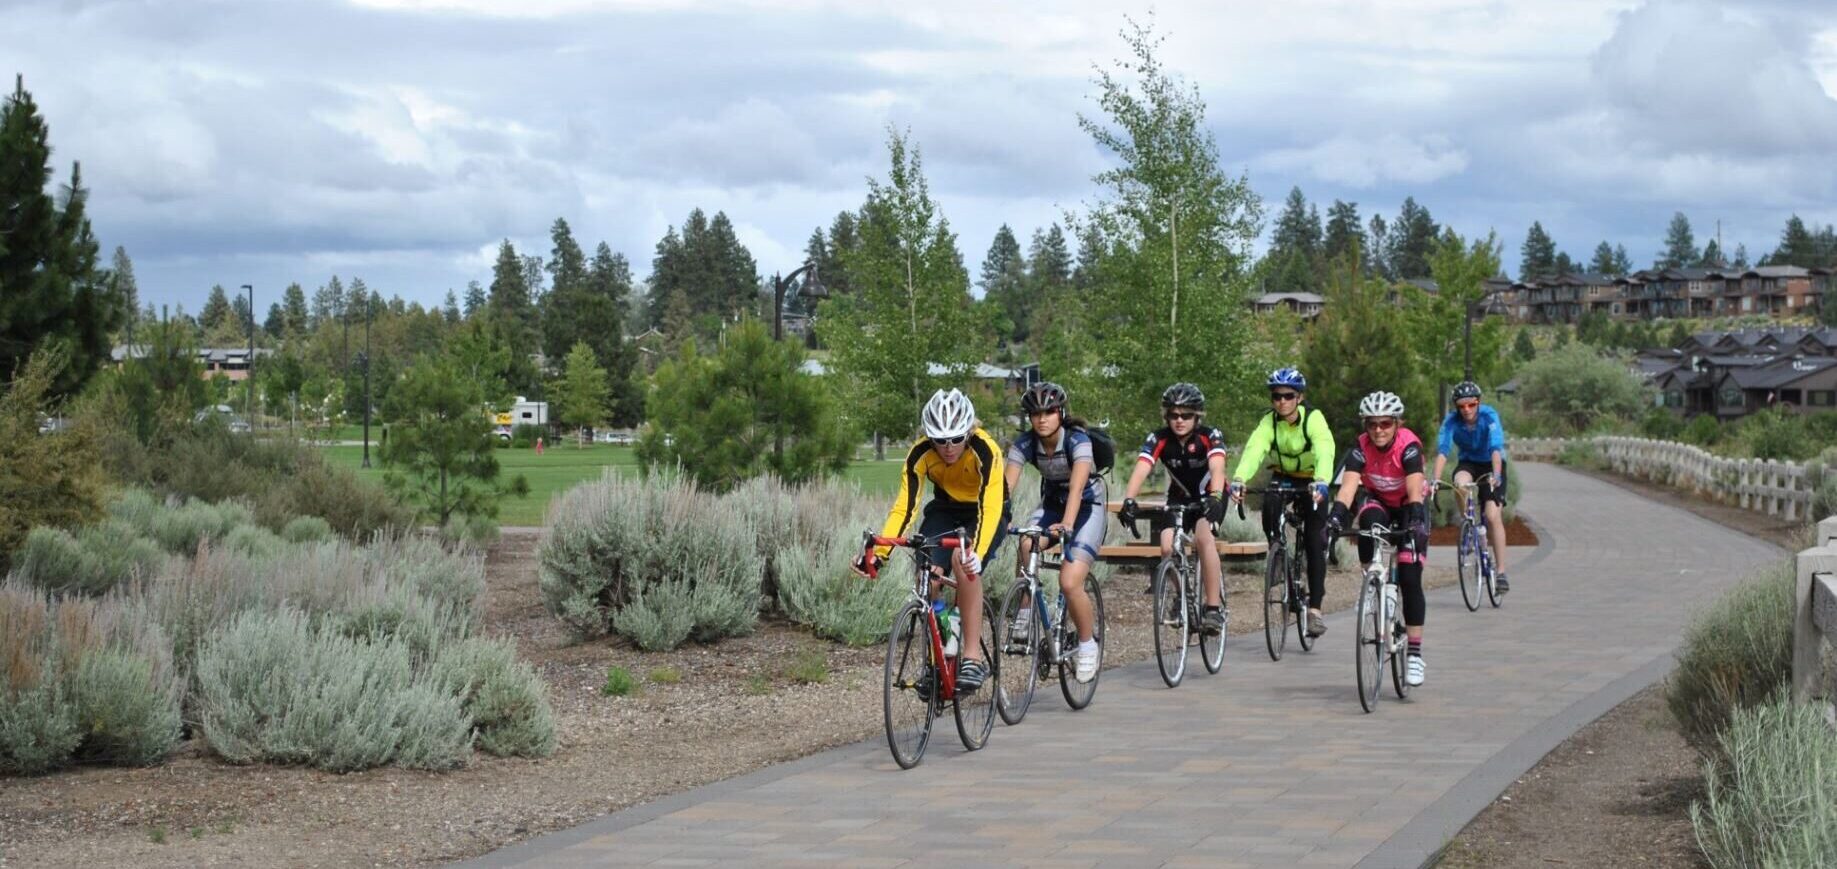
1409 560
1313 536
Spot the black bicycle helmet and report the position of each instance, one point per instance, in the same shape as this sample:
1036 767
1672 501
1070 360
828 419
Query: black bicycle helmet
1466 389
1183 395
1043 396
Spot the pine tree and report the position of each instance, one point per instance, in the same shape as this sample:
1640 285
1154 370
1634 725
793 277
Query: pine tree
1565 264
609 278
1741 258
217 312
51 291
328 303
1711 257
276 323
1522 348
1004 285
1680 245
1604 261
1377 253
1623 264
126 289
1297 228
842 239
1412 239
450 310
475 299
1343 232
1090 254
509 302
294 319
1538 255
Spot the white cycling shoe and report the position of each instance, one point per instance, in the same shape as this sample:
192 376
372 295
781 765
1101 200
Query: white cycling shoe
1084 663
1413 673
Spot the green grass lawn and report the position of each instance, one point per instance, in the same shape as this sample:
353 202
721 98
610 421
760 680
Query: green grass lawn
560 468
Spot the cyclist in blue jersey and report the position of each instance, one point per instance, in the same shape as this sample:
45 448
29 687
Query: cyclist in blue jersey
1473 431
1072 505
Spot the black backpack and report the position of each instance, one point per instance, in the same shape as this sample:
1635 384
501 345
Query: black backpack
1103 448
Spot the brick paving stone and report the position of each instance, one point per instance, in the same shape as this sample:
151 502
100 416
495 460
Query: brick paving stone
1267 763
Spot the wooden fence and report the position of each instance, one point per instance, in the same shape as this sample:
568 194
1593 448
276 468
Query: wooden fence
1766 486
1816 620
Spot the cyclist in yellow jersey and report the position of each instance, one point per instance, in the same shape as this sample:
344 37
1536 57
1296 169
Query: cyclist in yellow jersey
965 467
1300 446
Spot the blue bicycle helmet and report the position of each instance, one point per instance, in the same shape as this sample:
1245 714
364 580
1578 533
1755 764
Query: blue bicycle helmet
1288 377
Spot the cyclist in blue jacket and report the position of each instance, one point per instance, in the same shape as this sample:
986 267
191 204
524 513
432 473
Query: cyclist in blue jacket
1474 431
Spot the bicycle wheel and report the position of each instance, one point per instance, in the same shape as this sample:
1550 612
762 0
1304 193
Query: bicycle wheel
1467 562
1170 622
1275 612
1371 647
1212 646
1399 660
1078 694
1020 671
1492 580
909 710
975 711
1297 592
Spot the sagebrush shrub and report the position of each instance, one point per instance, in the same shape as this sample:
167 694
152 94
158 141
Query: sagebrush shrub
817 588
91 561
272 689
1771 792
507 702
1736 654
306 529
127 714
653 558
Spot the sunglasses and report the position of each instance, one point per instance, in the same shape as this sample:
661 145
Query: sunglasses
1284 396
1380 424
1183 416
1467 405
949 442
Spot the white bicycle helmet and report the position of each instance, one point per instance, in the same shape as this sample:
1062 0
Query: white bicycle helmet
1381 404
948 415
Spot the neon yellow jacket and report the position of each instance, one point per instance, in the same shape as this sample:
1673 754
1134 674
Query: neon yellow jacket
1296 450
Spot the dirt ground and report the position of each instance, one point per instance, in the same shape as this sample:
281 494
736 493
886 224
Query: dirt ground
1616 794
701 714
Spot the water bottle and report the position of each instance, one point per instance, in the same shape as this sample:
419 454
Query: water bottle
953 628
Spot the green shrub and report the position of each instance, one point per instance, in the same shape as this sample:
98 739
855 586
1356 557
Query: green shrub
1736 655
1778 434
651 558
507 702
809 666
475 531
92 561
1577 389
271 689
1702 430
56 481
1661 424
665 676
523 435
619 682
1583 454
1771 795
817 588
307 529
254 542
38 729
128 714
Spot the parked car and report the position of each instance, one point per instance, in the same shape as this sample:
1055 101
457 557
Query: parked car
502 432
612 437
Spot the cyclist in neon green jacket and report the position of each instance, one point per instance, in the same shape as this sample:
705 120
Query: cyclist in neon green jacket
1299 446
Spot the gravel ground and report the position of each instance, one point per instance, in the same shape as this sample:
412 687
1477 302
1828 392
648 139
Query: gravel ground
701 714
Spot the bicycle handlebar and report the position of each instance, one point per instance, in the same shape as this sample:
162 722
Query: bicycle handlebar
1173 512
870 541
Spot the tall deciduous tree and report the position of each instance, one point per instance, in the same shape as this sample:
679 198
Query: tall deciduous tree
1680 245
909 307
1439 321
583 390
1169 293
1537 259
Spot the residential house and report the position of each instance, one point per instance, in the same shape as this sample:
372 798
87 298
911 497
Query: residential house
1796 383
1308 305
231 363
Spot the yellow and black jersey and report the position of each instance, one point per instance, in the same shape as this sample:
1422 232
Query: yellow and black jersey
975 483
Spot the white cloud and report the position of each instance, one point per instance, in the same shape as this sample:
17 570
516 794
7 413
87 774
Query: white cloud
1364 163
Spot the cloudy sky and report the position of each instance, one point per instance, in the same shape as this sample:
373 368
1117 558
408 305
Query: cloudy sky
271 141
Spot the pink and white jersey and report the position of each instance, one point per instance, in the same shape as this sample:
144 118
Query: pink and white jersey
1382 472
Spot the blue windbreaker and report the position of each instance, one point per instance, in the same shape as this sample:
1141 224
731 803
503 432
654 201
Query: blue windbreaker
1476 442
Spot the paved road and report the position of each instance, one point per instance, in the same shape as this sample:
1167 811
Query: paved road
1267 764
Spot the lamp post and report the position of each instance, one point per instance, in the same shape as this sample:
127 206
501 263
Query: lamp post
811 289
251 325
364 360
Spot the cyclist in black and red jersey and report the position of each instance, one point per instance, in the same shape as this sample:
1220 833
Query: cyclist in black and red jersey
1383 482
1194 455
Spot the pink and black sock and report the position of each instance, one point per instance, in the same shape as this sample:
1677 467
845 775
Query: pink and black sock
1416 647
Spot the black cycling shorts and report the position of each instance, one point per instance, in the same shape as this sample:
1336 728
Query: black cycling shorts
942 517
1490 490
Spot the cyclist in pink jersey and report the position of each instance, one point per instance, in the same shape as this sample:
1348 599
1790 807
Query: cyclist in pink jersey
1383 483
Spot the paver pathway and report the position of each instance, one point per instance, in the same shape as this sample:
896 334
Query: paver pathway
1266 764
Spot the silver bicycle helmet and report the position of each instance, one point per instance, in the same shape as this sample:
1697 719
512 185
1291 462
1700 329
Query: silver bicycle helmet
948 415
1381 404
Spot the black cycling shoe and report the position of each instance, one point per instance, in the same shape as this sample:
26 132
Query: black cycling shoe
1212 621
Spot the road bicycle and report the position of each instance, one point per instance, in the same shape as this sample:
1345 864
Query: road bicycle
1474 559
919 677
1049 640
1284 572
1382 638
1177 615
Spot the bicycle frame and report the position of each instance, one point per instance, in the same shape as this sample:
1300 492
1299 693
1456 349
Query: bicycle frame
1040 539
924 578
1470 513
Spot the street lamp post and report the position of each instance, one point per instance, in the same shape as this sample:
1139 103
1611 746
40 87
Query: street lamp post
364 360
811 289
251 324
